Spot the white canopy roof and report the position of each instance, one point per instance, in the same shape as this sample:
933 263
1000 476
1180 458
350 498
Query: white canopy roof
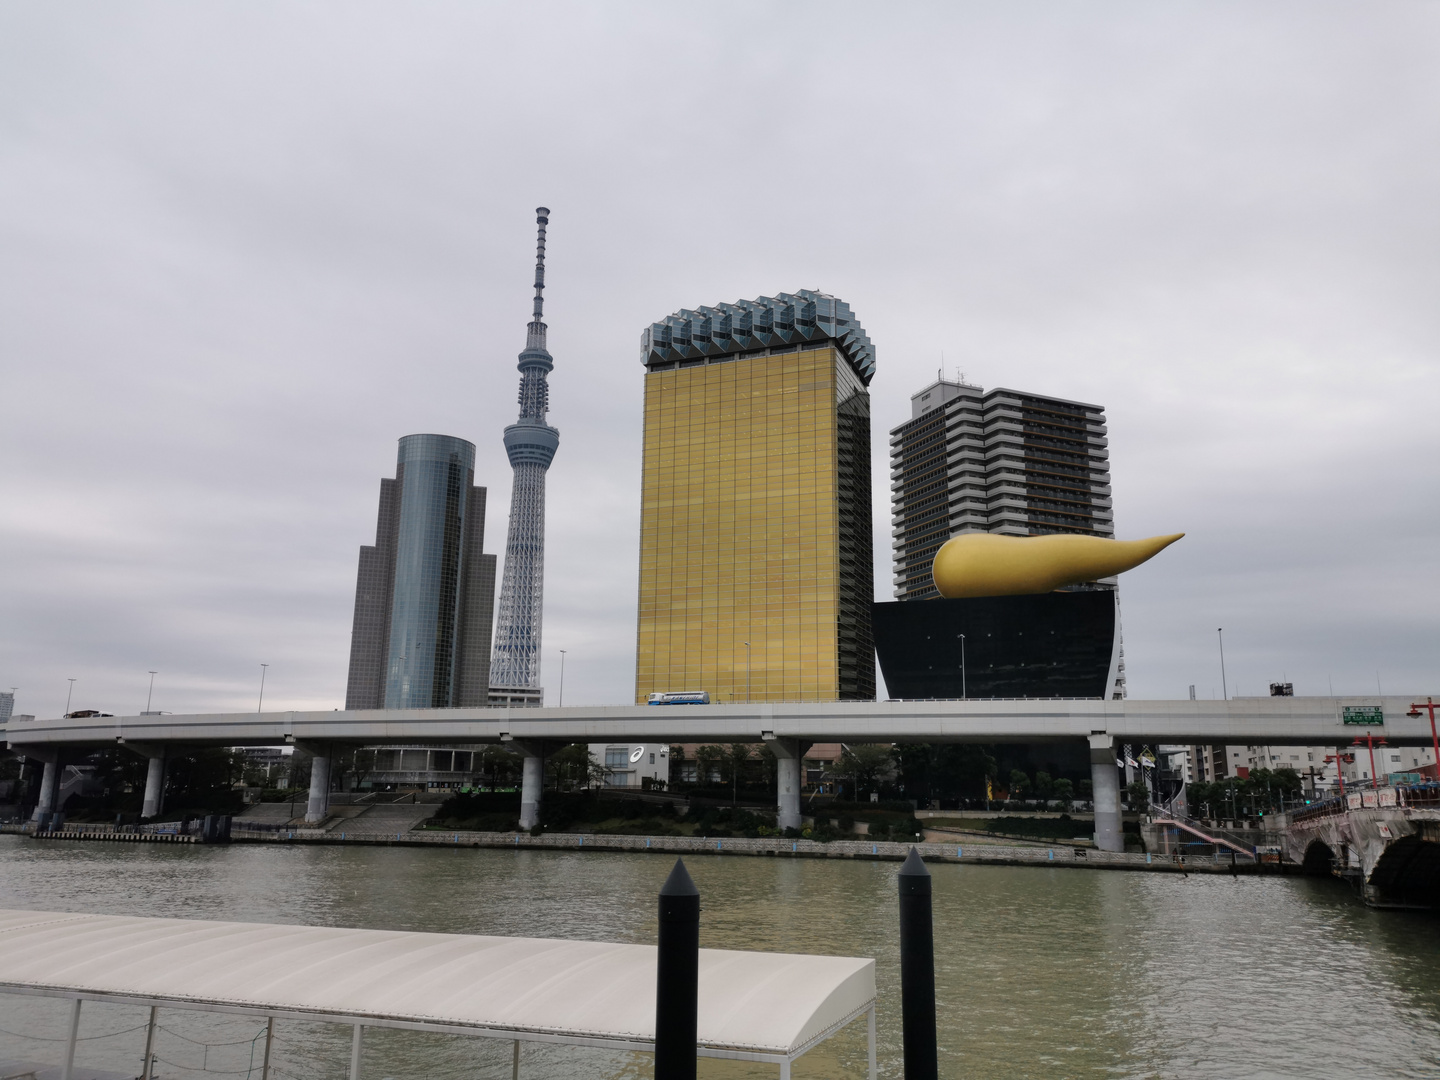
770 1003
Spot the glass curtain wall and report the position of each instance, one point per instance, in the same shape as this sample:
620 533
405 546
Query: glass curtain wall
438 472
755 526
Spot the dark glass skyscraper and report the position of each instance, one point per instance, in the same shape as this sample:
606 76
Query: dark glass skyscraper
425 593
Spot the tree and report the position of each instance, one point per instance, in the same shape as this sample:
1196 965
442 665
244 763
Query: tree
1044 785
963 771
1065 792
769 765
357 762
707 762
1019 784
300 768
1137 792
863 763
120 771
204 779
495 762
737 756
573 767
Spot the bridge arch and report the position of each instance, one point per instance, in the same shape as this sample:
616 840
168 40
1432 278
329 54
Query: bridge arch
1319 859
1408 873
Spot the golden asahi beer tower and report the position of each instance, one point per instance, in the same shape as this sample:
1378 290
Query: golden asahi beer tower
756 573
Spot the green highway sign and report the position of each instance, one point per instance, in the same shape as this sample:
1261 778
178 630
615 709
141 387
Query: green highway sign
1367 715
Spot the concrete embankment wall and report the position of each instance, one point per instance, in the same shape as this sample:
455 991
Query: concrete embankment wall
1057 855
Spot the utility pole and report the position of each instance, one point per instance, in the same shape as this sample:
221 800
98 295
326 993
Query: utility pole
562 678
151 694
68 695
260 706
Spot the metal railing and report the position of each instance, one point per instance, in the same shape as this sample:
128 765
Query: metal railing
1327 808
1215 837
1421 796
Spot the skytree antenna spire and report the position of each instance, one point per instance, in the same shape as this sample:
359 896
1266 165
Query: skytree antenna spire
530 443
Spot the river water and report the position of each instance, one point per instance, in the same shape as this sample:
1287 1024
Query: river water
1042 973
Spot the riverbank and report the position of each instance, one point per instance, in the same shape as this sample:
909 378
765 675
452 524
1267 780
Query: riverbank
983 849
764 847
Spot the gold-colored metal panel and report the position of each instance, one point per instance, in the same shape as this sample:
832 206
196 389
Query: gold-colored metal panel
739 531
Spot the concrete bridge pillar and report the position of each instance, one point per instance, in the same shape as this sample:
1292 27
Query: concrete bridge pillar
532 784
319 805
49 789
788 755
154 800
1105 783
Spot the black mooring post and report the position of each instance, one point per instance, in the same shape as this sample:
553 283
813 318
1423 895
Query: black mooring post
677 977
917 971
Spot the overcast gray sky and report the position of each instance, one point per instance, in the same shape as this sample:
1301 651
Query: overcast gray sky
245 247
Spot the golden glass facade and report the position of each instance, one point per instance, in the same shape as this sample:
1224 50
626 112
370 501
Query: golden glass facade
756 526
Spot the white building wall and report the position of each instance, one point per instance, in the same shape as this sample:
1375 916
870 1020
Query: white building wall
627 765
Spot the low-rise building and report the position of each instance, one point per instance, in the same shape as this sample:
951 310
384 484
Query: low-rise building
633 765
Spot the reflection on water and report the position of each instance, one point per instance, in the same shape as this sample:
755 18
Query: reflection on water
1042 973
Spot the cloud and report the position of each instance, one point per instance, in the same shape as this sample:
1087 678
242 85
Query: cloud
245 248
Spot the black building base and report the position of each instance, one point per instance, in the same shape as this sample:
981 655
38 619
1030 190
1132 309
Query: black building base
1054 645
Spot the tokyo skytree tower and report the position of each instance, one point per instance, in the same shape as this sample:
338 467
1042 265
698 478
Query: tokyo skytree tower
531 443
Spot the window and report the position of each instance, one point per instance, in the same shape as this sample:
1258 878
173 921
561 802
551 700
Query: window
617 757
652 759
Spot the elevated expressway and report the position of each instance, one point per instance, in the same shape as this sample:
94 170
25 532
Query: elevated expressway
789 727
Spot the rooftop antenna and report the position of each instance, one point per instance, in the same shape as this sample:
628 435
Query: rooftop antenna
536 335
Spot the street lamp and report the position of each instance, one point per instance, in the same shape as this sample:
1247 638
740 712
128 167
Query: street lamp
1435 742
1370 741
964 690
68 693
1224 687
562 678
259 707
1340 761
151 694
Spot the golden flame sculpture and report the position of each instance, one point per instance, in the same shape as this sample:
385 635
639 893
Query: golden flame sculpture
991 564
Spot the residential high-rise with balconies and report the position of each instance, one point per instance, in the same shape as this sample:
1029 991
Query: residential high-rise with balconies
1006 461
755 529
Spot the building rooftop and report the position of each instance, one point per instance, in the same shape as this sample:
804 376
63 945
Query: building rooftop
752 328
